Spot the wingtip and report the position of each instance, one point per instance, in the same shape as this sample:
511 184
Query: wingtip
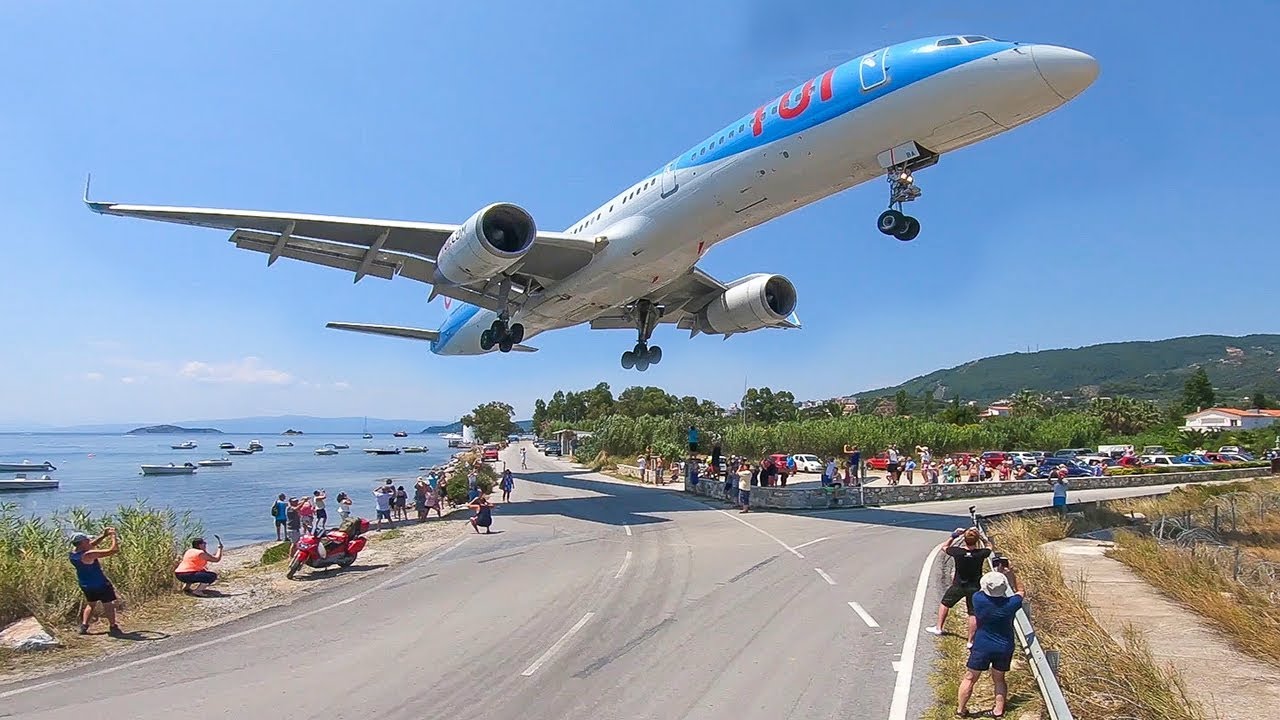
98 207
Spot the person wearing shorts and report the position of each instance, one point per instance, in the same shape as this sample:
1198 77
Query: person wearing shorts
95 586
293 524
995 608
382 497
693 440
968 557
279 511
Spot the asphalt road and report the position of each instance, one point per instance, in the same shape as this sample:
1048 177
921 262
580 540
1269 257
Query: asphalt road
591 599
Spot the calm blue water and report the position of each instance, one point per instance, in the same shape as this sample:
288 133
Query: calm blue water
101 472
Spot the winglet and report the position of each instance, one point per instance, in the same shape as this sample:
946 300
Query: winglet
98 207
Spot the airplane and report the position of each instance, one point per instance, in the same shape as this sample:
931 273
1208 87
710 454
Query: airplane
631 263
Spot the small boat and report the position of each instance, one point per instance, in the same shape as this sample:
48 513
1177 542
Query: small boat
170 469
415 449
226 446
20 482
188 445
27 466
367 435
214 463
326 451
383 451
284 444
400 433
337 446
240 451
255 446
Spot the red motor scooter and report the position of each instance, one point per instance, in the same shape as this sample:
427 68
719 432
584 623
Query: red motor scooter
335 547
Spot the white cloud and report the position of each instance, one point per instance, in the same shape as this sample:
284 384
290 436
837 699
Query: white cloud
342 385
132 380
93 376
248 371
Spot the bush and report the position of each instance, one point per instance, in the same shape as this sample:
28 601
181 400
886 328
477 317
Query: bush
275 553
456 486
36 576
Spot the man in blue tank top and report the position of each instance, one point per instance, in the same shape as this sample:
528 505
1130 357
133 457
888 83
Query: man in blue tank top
93 582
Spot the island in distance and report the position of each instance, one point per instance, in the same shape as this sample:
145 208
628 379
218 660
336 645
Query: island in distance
172 430
291 431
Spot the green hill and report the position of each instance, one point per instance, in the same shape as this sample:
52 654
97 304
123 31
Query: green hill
1155 370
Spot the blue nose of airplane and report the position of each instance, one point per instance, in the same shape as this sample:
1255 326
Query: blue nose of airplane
1067 71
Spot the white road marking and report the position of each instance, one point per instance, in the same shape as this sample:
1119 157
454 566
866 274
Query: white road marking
811 542
558 644
233 636
625 562
866 616
907 660
764 532
825 576
628 529
895 665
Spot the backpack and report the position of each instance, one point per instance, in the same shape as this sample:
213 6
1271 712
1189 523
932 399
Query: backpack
273 510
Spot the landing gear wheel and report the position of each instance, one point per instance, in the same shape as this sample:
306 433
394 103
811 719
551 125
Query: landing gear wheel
506 345
654 355
890 222
517 333
909 230
640 350
628 360
498 328
486 340
643 363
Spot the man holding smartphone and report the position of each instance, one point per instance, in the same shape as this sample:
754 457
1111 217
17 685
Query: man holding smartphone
92 580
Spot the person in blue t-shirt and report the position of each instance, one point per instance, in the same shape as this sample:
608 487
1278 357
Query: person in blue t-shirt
994 607
693 440
97 589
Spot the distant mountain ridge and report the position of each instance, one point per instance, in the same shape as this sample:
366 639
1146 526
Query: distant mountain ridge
1154 370
456 427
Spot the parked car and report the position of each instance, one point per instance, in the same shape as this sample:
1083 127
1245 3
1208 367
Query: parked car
808 463
1235 457
1163 461
878 462
552 449
1052 463
1193 459
1231 449
1025 457
1154 450
490 453
995 458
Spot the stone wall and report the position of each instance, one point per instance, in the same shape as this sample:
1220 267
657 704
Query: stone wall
780 498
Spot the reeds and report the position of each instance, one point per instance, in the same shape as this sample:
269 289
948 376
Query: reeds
36 576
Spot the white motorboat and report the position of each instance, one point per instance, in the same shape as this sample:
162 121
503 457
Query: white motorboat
337 446
27 466
20 482
255 446
226 446
188 445
170 469
383 451
214 463
326 451
400 433
415 449
240 451
284 444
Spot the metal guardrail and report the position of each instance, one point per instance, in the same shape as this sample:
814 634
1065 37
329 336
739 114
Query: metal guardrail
1043 668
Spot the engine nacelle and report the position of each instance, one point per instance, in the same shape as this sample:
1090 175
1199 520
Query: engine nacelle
486 245
752 303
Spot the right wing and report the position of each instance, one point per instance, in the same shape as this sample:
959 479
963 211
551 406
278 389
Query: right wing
366 246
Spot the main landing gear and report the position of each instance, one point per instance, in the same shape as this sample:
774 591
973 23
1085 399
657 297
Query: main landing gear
642 356
902 189
501 335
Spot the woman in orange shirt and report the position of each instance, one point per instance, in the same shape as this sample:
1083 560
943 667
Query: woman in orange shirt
192 570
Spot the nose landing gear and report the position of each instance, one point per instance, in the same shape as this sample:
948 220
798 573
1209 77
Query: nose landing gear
642 355
902 189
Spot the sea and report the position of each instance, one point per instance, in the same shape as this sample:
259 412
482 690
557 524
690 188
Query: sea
101 472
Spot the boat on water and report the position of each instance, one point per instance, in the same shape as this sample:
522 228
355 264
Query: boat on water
170 469
240 451
255 446
188 445
214 463
226 446
337 446
284 444
400 433
326 451
21 482
27 466
415 449
383 451
367 435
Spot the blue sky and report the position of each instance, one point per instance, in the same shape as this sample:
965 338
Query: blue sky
1141 210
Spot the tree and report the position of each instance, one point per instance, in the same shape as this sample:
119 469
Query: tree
639 401
598 402
1125 416
958 414
492 421
540 419
1260 401
1028 404
1197 392
763 405
901 403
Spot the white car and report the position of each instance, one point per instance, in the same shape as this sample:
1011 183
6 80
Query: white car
1163 461
1025 457
808 463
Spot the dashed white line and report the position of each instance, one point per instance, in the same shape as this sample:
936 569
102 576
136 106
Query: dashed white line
558 644
628 529
907 660
825 576
764 532
866 616
811 542
625 562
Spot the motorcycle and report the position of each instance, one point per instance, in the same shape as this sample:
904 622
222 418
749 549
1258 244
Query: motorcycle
334 547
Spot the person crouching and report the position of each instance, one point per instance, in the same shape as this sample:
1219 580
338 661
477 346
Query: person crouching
192 570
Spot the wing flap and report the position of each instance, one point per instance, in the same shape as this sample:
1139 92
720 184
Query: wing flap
342 257
388 330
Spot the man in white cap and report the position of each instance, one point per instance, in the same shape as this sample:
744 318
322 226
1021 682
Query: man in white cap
93 582
994 606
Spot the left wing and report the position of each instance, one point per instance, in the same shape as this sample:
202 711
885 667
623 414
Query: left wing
409 333
367 246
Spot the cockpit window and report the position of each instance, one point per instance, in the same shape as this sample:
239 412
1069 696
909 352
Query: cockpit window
948 42
976 39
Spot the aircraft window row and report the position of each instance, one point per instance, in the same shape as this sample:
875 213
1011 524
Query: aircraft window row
629 196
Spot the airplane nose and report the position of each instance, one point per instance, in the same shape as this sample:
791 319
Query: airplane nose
1067 71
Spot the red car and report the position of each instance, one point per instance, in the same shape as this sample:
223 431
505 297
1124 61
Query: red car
490 453
878 462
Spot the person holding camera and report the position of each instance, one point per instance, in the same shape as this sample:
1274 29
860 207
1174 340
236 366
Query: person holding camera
93 581
994 607
193 570
969 556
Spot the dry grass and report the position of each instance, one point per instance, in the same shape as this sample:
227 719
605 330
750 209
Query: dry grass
1024 696
1102 680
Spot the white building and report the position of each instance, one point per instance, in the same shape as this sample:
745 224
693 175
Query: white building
997 409
1218 419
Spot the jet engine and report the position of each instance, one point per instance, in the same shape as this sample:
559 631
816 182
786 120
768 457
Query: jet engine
486 245
752 303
